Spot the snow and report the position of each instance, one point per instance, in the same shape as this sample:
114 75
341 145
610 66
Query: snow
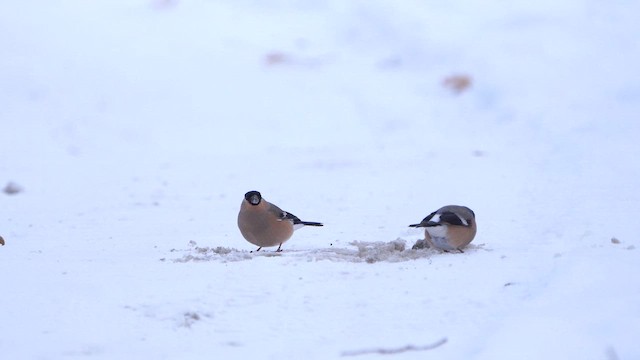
132 129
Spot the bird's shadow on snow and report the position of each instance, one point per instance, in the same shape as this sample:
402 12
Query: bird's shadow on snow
360 252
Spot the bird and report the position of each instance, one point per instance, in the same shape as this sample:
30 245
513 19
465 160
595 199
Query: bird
264 224
449 228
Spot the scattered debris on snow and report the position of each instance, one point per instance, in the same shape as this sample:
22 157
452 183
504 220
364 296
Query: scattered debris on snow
369 252
457 83
220 253
12 188
190 318
373 252
420 244
280 58
181 319
276 58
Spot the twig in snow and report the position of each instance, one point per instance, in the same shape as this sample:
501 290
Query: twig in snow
383 351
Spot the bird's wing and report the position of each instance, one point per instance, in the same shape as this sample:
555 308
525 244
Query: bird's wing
451 218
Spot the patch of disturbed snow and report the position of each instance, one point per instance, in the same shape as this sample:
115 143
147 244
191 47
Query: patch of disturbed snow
369 252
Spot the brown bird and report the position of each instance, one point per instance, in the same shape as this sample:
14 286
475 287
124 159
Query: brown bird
451 227
264 224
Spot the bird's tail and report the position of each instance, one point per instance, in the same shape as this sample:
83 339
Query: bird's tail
310 223
427 224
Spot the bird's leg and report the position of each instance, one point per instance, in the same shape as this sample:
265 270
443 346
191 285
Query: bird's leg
461 251
279 246
259 249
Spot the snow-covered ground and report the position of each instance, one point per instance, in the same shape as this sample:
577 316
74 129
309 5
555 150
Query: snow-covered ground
132 129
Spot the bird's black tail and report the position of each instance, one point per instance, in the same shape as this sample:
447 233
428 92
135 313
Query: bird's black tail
310 223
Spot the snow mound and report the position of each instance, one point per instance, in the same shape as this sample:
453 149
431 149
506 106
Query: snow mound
364 252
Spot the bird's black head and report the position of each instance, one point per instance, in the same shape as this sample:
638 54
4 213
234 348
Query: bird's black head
253 197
